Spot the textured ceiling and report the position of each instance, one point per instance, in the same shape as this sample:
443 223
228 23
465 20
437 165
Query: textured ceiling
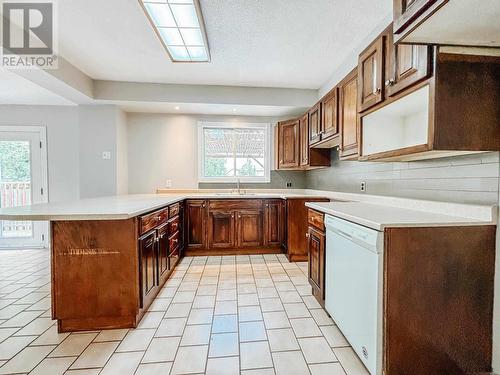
15 89
268 43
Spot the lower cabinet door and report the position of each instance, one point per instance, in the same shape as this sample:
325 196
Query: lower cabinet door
316 255
174 249
250 228
221 229
196 213
273 222
163 265
148 267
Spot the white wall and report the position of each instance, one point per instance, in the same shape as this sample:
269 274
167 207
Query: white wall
121 154
163 146
62 143
98 132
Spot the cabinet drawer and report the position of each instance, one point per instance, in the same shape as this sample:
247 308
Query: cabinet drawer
173 225
235 204
173 242
174 209
150 221
316 219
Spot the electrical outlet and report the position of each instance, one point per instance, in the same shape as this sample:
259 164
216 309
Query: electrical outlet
288 184
363 186
168 183
106 155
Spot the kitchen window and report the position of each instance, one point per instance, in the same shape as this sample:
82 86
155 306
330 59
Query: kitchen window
228 152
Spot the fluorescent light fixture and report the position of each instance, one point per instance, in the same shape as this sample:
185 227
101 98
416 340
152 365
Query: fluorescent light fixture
179 25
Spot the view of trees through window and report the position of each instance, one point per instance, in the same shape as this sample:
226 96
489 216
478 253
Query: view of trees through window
14 161
234 152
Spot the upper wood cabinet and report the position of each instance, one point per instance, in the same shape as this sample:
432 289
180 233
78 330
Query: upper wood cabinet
430 119
407 11
293 148
304 139
448 23
329 123
196 217
406 65
315 124
288 144
348 117
371 74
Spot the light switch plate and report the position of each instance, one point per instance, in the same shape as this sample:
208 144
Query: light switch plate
168 183
106 155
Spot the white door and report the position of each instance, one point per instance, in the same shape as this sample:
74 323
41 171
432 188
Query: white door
23 181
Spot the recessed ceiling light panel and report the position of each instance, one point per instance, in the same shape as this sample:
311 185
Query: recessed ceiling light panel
179 25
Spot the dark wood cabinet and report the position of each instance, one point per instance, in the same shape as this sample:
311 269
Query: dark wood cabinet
316 253
329 123
159 249
304 140
315 124
406 12
348 117
442 281
273 223
221 229
288 144
250 228
163 251
316 262
406 65
294 152
148 259
196 220
296 227
371 74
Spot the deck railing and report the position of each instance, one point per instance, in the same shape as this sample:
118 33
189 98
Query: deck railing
14 194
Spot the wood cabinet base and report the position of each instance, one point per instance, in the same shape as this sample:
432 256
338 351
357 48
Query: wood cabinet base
96 275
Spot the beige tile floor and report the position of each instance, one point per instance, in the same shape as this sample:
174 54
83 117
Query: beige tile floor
250 315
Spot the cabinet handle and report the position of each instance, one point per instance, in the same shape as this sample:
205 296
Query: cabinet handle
377 91
307 235
175 240
389 82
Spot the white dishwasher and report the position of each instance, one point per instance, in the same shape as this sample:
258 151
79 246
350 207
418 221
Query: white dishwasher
353 287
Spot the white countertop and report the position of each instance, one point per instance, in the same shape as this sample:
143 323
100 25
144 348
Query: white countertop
379 217
120 206
373 211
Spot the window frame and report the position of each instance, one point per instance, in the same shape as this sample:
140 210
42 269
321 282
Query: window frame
233 179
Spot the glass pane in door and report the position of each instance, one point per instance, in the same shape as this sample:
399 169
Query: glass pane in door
15 185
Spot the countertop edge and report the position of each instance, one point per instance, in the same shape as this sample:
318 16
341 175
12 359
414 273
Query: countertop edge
381 226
